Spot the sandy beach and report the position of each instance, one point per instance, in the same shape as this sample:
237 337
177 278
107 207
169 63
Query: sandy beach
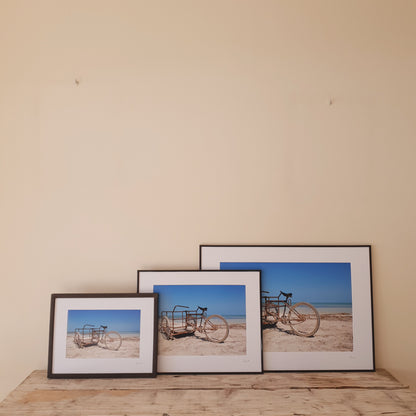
197 344
334 334
130 348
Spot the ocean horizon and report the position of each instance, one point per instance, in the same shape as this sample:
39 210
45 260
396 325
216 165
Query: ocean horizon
324 307
231 319
235 319
327 307
132 333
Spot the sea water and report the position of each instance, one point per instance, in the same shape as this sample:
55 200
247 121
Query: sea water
333 307
235 319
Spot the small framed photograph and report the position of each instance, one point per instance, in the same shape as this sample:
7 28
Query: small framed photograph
209 321
102 335
316 303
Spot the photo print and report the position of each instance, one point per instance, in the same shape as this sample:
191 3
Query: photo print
322 292
202 319
103 334
209 321
316 303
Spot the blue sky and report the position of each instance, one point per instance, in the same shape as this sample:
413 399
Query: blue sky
116 320
309 282
219 299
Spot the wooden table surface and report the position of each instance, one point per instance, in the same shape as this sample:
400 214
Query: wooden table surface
271 394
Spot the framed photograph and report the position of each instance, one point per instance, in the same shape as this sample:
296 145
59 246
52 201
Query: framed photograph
209 321
102 335
316 303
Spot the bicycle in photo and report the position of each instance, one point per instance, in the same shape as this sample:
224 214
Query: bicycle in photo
183 321
302 317
90 335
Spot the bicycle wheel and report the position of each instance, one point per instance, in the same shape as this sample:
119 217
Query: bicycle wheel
303 319
191 325
95 337
164 328
77 339
112 340
216 328
269 315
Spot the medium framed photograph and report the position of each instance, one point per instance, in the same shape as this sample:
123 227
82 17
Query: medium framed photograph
209 321
316 303
102 335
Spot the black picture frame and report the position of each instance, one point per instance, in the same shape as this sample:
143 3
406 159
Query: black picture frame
188 352
97 342
358 354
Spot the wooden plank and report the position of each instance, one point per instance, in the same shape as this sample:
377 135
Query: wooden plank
270 394
380 379
226 402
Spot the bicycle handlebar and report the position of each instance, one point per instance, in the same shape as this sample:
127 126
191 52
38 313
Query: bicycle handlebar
180 306
287 295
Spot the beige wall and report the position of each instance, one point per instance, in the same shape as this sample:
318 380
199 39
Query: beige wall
201 122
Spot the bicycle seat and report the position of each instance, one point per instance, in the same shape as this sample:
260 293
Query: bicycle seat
203 309
288 295
104 326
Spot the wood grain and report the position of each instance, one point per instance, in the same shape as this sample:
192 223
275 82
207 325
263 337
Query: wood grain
338 393
380 379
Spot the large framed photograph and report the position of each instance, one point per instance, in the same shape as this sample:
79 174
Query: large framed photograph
209 321
102 335
316 303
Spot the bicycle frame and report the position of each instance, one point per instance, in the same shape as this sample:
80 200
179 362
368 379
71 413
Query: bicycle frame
90 335
302 317
181 320
192 317
275 309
